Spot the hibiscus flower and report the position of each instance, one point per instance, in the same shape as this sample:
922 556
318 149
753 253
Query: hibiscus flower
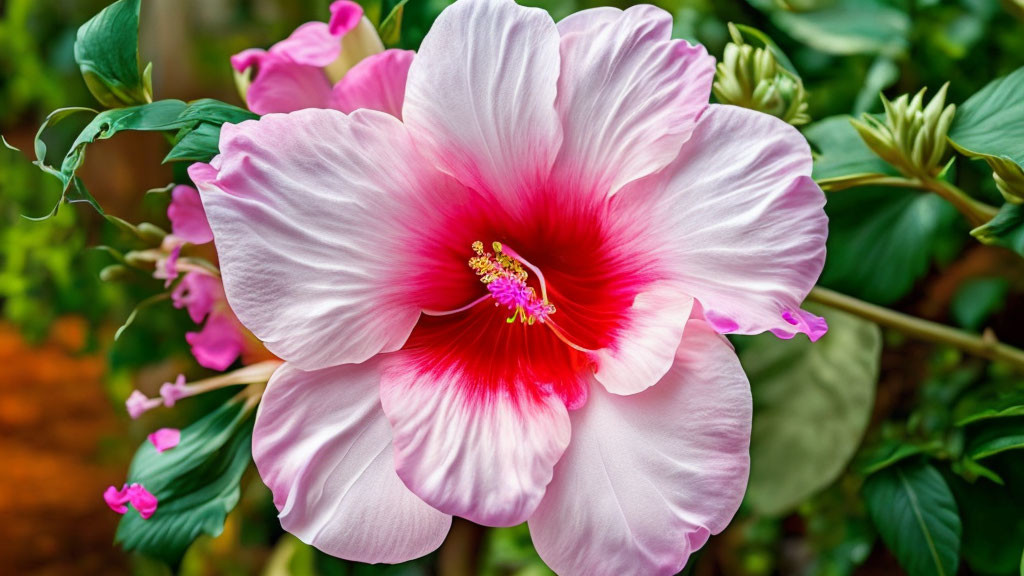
509 306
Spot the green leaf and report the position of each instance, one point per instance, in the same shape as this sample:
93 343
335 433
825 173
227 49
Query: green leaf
215 112
845 27
107 51
1006 229
916 516
812 403
842 156
993 527
892 452
996 436
390 28
989 407
767 42
990 124
198 141
883 240
977 299
196 483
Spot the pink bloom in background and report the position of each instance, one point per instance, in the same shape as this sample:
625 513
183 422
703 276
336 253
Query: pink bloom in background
135 494
508 306
299 72
219 343
165 438
198 292
188 219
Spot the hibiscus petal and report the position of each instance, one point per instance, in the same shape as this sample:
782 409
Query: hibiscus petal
284 86
738 219
629 96
468 448
323 446
219 343
481 93
648 477
188 219
315 215
376 82
646 348
311 44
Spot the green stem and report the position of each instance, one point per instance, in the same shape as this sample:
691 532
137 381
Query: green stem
985 346
977 213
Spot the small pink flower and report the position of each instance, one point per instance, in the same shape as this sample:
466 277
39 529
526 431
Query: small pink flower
172 392
199 293
140 498
165 438
546 247
296 72
137 404
219 343
188 219
167 266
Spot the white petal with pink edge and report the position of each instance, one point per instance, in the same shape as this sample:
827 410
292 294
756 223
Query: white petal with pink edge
483 454
628 96
738 220
323 446
314 213
648 477
646 348
481 95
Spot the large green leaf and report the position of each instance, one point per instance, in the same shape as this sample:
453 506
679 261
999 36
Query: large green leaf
198 141
1006 229
812 403
882 240
990 124
916 515
842 158
844 26
993 526
107 51
196 483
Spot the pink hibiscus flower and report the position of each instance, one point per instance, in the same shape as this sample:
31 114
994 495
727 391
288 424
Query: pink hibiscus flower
509 306
299 72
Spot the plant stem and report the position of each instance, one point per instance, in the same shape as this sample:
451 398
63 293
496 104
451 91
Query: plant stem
985 346
976 212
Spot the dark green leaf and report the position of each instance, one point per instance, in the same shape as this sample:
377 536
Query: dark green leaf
842 156
991 123
993 437
196 483
844 26
882 240
993 527
107 51
892 452
812 403
916 516
198 140
215 112
990 406
978 299
1006 229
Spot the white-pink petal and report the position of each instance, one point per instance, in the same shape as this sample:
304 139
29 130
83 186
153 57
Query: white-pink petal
323 447
480 99
628 96
483 452
377 82
315 214
648 477
737 218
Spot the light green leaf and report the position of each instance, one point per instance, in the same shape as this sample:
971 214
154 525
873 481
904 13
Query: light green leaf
916 516
845 27
390 28
842 156
812 403
883 240
196 483
107 51
990 124
1006 229
884 72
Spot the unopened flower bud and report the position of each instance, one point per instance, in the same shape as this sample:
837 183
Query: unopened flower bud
151 232
1009 179
913 136
115 273
752 78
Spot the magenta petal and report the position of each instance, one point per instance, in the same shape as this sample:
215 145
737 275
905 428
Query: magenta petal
142 500
247 58
311 44
198 292
803 322
218 344
284 86
165 438
377 82
188 219
345 16
116 499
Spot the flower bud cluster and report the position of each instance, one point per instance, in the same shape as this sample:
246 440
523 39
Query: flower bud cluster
753 78
912 137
